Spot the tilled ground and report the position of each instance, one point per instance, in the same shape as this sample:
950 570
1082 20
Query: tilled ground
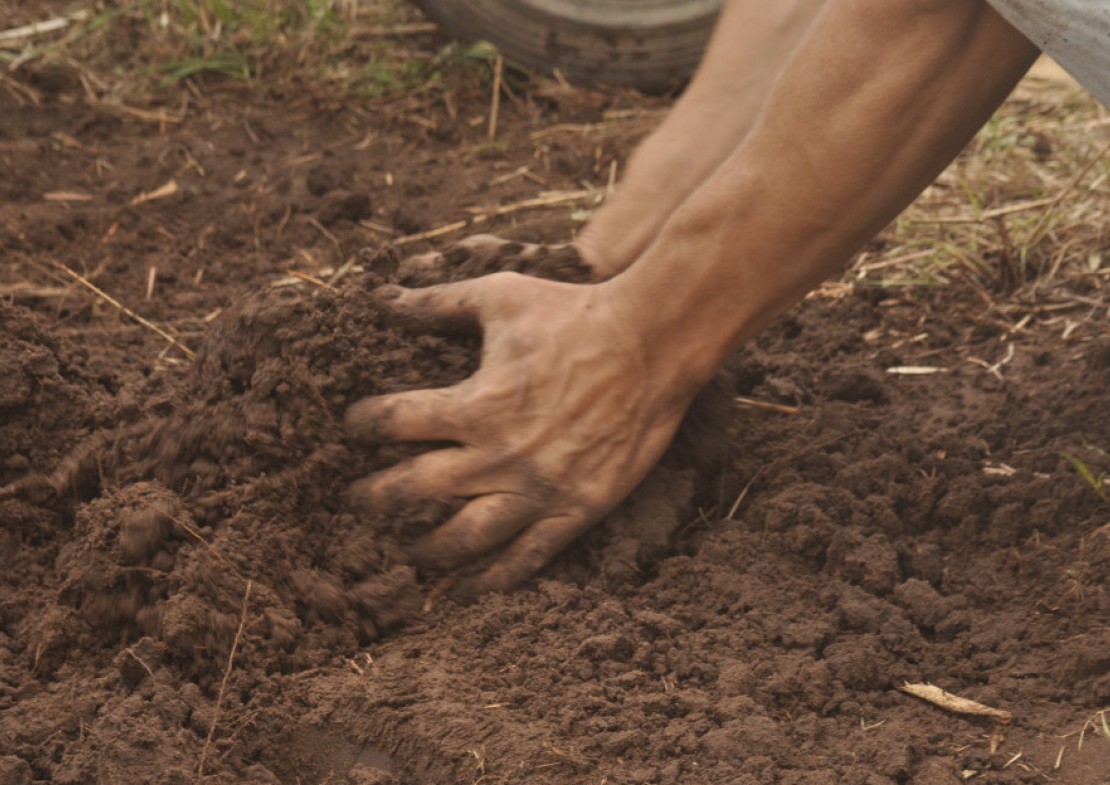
185 597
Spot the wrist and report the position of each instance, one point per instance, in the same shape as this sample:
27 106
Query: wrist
665 323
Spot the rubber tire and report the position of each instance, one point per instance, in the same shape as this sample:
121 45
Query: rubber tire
653 45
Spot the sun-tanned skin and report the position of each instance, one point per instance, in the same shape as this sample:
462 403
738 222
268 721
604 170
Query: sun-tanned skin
581 387
750 46
748 50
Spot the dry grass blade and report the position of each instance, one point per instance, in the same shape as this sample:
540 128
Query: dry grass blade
315 224
66 196
309 278
755 403
1046 216
21 91
29 291
1099 723
1018 216
484 214
393 31
431 234
743 495
160 116
121 307
227 675
553 199
495 97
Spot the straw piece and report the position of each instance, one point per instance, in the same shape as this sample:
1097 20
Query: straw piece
121 307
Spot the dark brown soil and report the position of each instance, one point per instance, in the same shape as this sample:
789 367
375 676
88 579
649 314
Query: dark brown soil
185 597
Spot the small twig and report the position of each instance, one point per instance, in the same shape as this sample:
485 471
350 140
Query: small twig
121 307
439 231
227 675
20 89
520 171
23 289
755 403
987 215
483 214
544 200
66 196
211 548
324 231
151 277
495 98
374 226
312 279
130 651
160 116
743 494
388 31
862 269
341 273
161 192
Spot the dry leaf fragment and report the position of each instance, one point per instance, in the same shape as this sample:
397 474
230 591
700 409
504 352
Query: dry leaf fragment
954 703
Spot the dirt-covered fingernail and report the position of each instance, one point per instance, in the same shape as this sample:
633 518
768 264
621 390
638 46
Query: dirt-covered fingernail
467 591
360 495
365 421
429 553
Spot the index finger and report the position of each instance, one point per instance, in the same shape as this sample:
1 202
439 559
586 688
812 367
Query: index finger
414 416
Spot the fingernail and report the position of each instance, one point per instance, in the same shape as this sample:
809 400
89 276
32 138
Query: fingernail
358 496
363 422
467 591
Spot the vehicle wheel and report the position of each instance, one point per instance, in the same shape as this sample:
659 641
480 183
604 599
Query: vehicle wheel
649 44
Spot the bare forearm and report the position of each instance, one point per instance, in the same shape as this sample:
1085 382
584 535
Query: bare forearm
749 48
879 98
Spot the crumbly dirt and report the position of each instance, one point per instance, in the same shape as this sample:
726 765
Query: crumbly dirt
185 597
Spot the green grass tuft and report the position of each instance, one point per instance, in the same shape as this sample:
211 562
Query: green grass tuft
1096 481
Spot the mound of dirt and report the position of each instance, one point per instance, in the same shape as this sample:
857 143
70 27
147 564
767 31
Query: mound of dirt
225 489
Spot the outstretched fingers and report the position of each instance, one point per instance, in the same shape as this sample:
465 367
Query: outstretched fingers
435 264
438 475
416 416
484 524
460 307
525 556
447 308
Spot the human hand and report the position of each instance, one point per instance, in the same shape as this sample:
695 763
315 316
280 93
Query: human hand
567 413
